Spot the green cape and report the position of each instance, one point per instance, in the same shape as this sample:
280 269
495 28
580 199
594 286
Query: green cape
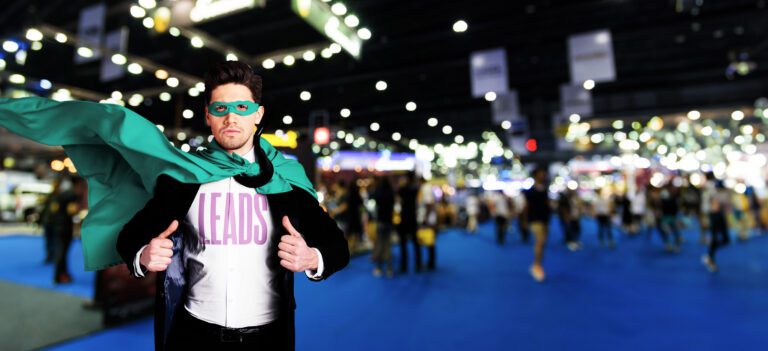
120 154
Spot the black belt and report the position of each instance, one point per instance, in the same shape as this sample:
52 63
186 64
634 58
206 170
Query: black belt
237 335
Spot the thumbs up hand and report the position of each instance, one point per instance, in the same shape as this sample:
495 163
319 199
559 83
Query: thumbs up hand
293 251
157 254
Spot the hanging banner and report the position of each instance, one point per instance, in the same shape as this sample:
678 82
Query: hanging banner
506 107
575 99
591 57
90 29
116 40
489 72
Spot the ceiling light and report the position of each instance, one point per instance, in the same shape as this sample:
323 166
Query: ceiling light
490 96
61 38
338 9
460 26
268 64
138 11
410 106
351 21
188 114
148 22
165 96
305 95
374 126
289 60
396 136
135 68
172 82
432 122
589 84
287 119
309 55
196 42
34 35
381 85
364 33
161 74
447 130
345 112
119 59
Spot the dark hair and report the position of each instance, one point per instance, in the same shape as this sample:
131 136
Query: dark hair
232 72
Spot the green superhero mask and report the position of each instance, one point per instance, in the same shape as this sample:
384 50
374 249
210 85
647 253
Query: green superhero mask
242 108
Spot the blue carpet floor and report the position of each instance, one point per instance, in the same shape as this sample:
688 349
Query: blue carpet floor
635 297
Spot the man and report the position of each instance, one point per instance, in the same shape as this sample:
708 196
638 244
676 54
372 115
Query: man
408 195
499 205
536 216
225 251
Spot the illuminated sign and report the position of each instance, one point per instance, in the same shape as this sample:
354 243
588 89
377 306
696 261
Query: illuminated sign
209 9
379 161
283 140
318 14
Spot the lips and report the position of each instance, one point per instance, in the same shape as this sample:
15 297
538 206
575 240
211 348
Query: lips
230 131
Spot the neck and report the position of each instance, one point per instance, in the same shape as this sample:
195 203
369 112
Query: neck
243 150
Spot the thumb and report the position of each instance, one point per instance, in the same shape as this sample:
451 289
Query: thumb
291 230
171 228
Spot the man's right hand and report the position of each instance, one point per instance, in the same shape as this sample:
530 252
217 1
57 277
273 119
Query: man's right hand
157 255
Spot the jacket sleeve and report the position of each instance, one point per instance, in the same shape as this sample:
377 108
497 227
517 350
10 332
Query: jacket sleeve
150 221
321 232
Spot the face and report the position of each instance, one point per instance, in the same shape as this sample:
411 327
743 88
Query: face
232 131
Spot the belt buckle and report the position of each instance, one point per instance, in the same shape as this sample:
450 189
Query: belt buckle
230 335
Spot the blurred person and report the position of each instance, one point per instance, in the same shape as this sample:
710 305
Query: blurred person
384 196
427 219
569 212
355 214
45 222
222 288
446 212
637 209
499 206
473 210
755 208
740 210
536 216
708 191
670 208
59 209
626 213
407 196
604 210
719 205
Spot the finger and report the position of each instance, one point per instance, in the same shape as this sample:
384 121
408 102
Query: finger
287 248
157 267
287 224
164 243
163 253
291 240
161 260
289 266
168 231
286 256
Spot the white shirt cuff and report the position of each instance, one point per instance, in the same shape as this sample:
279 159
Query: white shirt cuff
137 263
316 275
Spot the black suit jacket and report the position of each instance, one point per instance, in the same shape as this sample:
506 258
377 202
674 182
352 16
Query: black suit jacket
172 200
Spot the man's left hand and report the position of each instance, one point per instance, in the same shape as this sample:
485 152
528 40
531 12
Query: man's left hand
293 251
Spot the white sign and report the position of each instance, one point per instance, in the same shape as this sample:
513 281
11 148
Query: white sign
90 30
116 40
489 72
575 99
506 108
591 57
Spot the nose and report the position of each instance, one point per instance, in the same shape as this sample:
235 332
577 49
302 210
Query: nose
230 118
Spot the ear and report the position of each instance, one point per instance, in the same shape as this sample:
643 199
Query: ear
207 117
259 114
